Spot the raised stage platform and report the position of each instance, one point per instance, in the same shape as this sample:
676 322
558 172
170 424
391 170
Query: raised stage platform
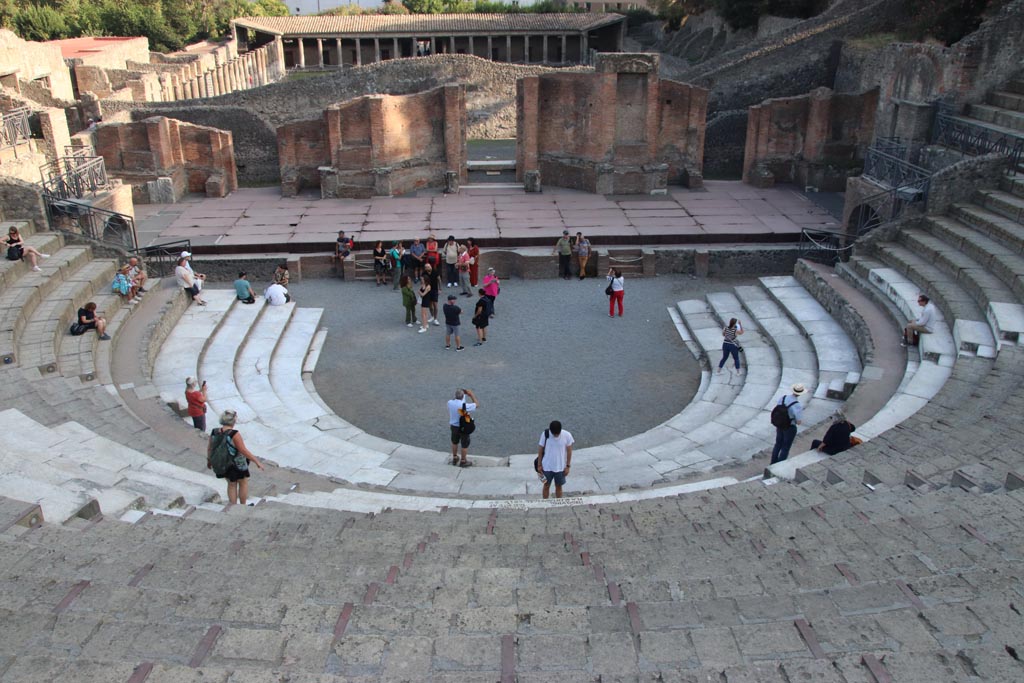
261 221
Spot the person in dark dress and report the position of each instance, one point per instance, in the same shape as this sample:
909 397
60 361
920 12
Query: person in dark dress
837 438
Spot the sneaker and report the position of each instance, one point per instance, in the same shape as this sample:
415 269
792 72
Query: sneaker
903 342
141 290
460 348
718 371
448 285
408 325
104 337
437 323
36 268
430 320
447 347
478 344
422 330
45 255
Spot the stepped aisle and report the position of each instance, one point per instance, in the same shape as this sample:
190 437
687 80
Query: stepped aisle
749 582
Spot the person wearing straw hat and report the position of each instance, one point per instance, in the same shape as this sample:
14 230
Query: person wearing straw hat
785 417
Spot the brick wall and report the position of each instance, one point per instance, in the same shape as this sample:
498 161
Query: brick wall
377 145
618 130
816 139
195 158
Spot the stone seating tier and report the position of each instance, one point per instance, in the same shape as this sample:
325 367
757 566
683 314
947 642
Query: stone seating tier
769 582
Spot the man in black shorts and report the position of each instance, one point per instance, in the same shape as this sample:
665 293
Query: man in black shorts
481 317
458 438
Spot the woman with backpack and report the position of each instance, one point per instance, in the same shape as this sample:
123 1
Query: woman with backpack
229 459
731 347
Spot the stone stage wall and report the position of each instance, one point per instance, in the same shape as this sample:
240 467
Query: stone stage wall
378 145
816 139
162 158
619 130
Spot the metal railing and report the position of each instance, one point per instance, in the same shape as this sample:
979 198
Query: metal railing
83 219
971 138
891 170
162 259
74 177
14 128
891 145
825 246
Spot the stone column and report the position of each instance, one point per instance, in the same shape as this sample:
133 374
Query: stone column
359 52
490 49
544 49
320 52
563 49
376 49
451 45
508 49
341 55
583 48
397 54
302 53
471 45
526 49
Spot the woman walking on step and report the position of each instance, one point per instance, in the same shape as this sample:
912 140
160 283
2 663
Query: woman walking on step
237 474
17 250
731 347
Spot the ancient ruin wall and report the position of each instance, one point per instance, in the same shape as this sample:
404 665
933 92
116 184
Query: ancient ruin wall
163 158
377 145
35 61
817 139
618 130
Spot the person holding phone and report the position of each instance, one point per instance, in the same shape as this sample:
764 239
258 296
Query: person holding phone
196 397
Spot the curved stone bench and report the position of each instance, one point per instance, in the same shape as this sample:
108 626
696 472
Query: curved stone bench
52 316
71 472
19 299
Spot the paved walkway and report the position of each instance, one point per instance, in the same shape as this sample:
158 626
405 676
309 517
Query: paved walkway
722 211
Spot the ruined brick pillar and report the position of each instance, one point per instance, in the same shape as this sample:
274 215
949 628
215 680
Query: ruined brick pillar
818 117
54 125
526 126
455 131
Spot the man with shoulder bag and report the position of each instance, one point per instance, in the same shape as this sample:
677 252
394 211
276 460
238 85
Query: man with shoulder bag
554 457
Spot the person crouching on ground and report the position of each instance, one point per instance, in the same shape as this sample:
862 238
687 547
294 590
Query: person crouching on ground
554 457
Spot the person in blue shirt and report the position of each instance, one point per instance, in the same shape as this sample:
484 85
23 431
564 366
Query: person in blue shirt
244 290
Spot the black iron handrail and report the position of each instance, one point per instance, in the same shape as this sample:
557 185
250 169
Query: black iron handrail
14 127
891 170
971 138
75 177
83 219
161 259
825 246
892 145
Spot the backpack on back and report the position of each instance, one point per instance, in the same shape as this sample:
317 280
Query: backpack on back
466 424
222 451
780 415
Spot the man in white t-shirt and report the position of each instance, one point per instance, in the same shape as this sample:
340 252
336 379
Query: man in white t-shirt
554 456
923 324
464 398
277 295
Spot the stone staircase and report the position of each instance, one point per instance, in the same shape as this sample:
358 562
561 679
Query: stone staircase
748 582
1002 111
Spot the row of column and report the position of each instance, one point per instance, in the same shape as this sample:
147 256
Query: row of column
434 48
248 70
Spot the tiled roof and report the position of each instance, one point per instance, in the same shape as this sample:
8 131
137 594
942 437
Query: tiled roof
378 24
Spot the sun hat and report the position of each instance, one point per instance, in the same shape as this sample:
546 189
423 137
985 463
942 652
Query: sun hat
798 389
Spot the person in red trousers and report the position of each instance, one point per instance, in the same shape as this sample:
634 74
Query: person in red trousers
616 283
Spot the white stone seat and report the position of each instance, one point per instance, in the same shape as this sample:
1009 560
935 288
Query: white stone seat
937 346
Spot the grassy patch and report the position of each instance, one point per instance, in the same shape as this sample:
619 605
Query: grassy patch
874 41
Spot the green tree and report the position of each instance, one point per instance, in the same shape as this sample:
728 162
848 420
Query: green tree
424 6
40 23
